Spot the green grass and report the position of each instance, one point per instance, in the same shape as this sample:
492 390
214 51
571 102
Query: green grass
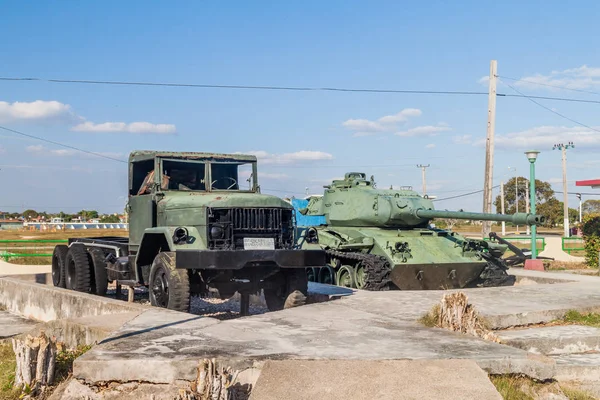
431 319
64 368
588 319
64 362
7 372
510 387
513 387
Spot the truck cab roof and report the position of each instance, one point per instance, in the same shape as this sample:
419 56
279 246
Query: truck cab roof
144 155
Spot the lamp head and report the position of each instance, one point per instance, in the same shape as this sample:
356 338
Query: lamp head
532 155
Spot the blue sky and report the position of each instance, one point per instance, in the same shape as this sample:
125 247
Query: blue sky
303 139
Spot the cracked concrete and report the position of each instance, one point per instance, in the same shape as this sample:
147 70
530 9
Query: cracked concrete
554 340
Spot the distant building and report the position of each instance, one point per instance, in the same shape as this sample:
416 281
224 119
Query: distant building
10 224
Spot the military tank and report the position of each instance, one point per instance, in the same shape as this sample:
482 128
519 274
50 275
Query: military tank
379 239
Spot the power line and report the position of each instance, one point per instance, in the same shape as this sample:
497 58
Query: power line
288 88
209 86
530 98
464 194
62 145
547 84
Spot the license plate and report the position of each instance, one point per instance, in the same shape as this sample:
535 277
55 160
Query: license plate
259 243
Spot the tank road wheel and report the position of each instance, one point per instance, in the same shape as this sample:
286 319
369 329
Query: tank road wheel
327 275
312 274
169 287
100 281
59 256
360 276
77 268
286 289
346 277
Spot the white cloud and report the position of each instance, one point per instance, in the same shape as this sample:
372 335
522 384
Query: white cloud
427 130
430 146
2 150
41 150
35 110
268 175
134 127
289 158
464 139
545 137
583 77
387 123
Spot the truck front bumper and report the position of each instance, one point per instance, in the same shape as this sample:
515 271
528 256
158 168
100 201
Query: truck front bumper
238 259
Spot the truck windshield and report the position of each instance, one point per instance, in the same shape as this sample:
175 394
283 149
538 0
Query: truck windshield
231 176
183 175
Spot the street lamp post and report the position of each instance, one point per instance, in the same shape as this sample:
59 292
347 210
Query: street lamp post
532 156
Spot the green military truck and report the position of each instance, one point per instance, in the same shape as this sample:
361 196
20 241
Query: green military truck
196 221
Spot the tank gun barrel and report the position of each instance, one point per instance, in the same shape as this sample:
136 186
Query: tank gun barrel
517 219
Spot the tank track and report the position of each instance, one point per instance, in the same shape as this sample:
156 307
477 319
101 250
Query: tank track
377 268
494 273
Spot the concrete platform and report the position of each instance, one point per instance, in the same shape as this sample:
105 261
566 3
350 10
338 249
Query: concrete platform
578 367
554 340
12 325
382 380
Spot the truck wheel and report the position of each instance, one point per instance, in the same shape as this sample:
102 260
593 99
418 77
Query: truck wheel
100 281
291 290
59 256
169 287
77 268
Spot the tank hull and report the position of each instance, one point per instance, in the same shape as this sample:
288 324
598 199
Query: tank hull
415 259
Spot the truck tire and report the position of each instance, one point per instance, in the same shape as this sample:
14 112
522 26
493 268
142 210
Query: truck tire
169 287
77 268
100 277
290 291
59 256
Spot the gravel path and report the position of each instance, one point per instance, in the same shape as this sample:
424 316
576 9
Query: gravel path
207 306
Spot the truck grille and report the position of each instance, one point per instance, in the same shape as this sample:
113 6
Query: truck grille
246 222
257 219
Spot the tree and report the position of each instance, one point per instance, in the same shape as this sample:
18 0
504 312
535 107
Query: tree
590 207
543 193
553 210
85 214
28 214
110 219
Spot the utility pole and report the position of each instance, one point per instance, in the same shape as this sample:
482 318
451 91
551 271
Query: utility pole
489 148
424 179
502 206
563 148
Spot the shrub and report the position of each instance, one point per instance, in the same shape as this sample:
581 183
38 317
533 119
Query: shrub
591 237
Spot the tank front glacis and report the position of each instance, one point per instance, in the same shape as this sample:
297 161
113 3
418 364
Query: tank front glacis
390 230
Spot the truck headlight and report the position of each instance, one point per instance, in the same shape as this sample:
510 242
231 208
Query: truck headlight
217 232
180 235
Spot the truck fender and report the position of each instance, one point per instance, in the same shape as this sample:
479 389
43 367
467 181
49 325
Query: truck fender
159 239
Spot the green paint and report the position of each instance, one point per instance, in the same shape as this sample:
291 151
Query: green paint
395 224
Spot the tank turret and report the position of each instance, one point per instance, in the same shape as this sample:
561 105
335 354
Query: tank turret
381 239
355 201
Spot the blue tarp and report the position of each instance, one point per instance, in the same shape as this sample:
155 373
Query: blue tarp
306 220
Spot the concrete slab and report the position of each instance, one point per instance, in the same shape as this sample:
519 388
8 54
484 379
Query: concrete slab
383 380
554 250
160 347
48 303
85 330
554 340
578 367
12 325
17 269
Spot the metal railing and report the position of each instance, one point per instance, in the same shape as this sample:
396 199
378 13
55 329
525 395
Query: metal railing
525 242
570 244
11 249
